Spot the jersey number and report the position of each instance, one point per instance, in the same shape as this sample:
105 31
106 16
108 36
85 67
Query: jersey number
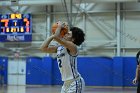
60 63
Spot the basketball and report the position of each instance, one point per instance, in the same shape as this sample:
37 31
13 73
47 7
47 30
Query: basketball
64 30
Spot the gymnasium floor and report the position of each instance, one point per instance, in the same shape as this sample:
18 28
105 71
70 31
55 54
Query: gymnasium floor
56 89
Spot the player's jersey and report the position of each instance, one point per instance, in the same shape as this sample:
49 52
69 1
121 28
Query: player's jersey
67 64
138 58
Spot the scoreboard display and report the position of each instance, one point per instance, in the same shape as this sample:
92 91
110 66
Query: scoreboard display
15 27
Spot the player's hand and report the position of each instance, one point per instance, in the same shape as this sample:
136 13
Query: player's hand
61 24
134 81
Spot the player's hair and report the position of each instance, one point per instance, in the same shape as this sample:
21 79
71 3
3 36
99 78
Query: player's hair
78 35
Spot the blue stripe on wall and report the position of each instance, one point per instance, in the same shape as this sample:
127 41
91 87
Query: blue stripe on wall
117 74
97 71
129 69
4 71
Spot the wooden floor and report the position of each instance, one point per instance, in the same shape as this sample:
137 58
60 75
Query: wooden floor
56 89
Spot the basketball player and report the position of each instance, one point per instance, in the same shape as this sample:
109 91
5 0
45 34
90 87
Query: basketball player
67 53
137 77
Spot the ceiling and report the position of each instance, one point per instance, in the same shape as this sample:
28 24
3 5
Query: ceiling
53 2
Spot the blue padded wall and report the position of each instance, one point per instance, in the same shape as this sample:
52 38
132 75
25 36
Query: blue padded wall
43 71
117 74
4 71
33 70
56 79
97 71
46 69
129 69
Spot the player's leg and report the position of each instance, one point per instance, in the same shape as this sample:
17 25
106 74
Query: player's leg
63 89
77 86
83 85
138 87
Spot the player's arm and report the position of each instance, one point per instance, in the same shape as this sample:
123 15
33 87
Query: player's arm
65 43
137 68
45 47
137 74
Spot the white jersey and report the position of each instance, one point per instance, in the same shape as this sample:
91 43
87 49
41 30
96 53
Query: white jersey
67 64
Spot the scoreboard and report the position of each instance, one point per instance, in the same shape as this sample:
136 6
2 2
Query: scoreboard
15 27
